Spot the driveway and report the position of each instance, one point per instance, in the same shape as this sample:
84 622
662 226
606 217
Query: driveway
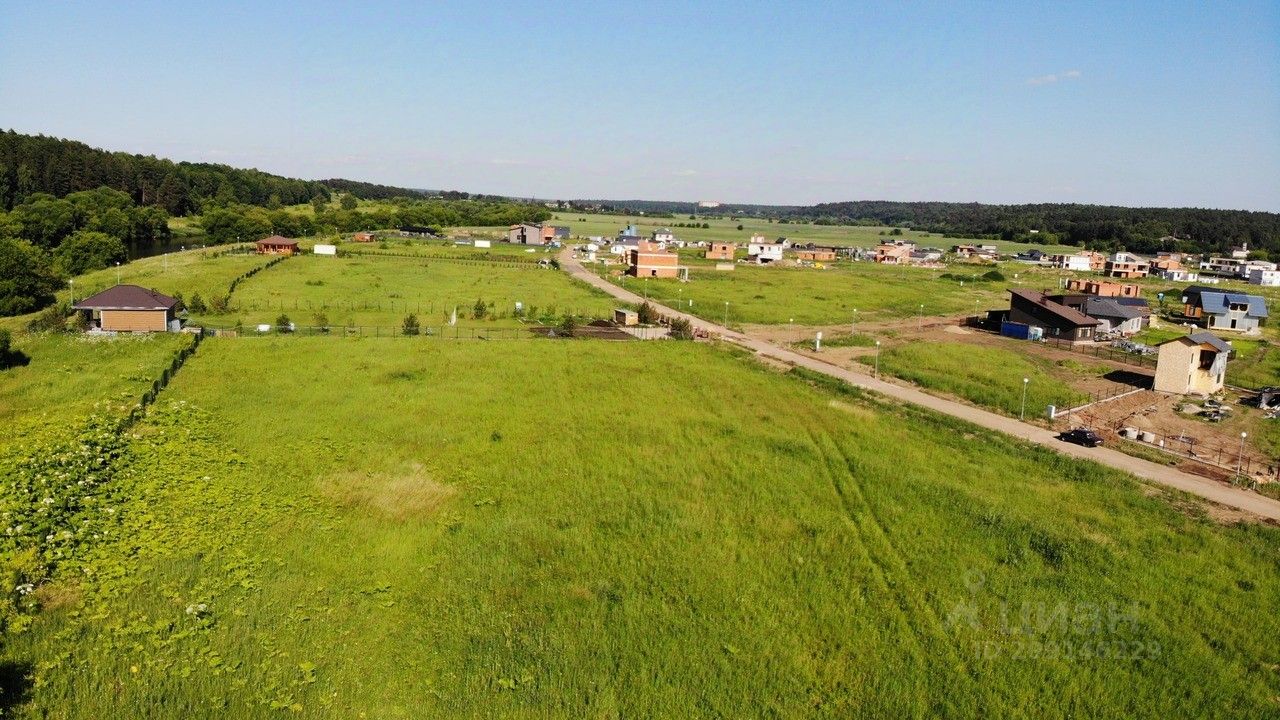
1244 500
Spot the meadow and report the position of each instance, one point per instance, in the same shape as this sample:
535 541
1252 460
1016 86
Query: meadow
987 376
483 543
358 290
69 377
811 296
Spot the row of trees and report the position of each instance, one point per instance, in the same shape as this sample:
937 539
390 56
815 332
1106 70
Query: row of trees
244 222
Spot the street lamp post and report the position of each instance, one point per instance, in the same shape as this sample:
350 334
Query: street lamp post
726 313
1240 457
73 290
877 372
117 272
853 327
1022 411
920 319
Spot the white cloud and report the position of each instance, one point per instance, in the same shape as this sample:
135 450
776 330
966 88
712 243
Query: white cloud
685 173
1050 79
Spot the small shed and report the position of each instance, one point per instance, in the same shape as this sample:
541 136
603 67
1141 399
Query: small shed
363 237
321 249
129 308
626 318
277 245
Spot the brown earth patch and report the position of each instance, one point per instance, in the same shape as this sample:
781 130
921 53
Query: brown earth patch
396 496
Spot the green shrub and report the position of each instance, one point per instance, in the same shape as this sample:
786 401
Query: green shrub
410 325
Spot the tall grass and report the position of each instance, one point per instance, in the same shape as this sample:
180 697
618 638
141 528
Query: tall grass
381 529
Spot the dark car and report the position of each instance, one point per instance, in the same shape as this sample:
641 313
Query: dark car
1081 436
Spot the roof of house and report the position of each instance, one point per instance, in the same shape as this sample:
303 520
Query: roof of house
1108 308
1203 338
1071 315
1214 301
126 297
277 240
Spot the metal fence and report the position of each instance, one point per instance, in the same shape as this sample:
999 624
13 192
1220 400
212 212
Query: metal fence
1104 352
1224 456
488 259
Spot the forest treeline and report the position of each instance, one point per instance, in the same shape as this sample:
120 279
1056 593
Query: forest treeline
1142 230
67 209
1100 227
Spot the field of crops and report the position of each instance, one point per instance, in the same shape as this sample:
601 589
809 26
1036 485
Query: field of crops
393 529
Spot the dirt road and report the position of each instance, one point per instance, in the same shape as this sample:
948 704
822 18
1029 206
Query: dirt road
1244 500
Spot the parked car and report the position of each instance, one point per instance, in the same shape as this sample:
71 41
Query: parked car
1081 436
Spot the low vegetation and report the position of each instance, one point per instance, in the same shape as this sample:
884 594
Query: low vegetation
772 545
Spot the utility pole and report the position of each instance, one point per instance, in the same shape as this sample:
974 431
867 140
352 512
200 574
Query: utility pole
1022 411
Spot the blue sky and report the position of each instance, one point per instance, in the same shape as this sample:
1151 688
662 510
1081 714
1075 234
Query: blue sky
1133 104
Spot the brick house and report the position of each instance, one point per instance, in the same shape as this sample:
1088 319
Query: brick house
721 251
648 260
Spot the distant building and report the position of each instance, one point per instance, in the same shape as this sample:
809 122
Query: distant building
363 237
764 251
1104 288
663 237
648 260
1080 263
975 252
1192 364
721 251
277 245
1264 277
1224 310
894 253
536 234
1058 321
129 308
1126 265
816 254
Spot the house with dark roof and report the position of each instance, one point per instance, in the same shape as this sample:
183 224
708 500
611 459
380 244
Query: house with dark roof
1114 314
129 308
1115 317
1192 364
1224 310
1058 321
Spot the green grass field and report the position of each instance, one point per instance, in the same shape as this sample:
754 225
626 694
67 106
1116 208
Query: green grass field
987 376
810 296
380 291
488 543
70 377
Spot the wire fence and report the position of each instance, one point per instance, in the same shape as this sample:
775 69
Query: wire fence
1235 458
487 259
442 332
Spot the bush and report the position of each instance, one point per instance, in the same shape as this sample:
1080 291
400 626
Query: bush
568 326
647 315
283 324
196 304
220 303
993 276
410 326
681 329
53 317
8 356
479 310
180 304
320 320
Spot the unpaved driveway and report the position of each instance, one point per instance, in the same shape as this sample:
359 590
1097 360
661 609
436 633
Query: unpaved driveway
1240 499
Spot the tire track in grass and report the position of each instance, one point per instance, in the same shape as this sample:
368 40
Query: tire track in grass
878 572
929 632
